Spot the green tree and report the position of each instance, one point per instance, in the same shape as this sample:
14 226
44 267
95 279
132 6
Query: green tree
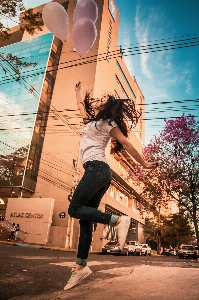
174 230
28 20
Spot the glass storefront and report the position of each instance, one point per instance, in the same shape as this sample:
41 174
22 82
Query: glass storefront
24 105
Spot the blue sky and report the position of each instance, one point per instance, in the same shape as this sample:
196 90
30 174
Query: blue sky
166 76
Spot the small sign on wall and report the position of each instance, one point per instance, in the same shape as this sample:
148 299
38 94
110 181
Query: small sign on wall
62 215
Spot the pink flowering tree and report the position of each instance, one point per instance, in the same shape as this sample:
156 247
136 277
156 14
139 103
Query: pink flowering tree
177 177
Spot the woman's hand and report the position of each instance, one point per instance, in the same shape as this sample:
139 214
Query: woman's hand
78 87
118 135
80 102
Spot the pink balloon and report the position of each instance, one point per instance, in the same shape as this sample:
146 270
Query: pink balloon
84 35
56 20
85 9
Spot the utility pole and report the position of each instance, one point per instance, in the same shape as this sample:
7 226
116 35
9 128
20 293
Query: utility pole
69 234
159 233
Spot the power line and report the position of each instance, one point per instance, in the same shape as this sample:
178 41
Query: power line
140 44
57 113
117 53
56 181
164 39
55 164
194 102
37 95
155 109
53 126
44 174
137 48
77 115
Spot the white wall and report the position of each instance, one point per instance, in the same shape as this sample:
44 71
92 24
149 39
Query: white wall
34 216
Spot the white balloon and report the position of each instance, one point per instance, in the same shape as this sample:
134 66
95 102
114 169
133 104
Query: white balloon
56 20
84 35
85 9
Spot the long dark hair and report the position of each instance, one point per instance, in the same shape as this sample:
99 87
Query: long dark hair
121 111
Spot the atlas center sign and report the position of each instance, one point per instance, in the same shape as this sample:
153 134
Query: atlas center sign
34 216
26 215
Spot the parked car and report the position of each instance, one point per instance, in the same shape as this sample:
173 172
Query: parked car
196 252
107 248
134 247
172 251
187 251
116 250
146 249
169 252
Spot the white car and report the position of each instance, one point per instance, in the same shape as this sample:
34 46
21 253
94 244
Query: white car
146 249
134 247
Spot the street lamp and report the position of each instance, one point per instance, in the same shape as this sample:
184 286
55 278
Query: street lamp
159 233
2 201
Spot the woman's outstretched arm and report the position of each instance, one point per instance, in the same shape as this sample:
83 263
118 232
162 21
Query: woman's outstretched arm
118 135
80 102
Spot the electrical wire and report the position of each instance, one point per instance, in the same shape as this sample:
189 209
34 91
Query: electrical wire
64 120
43 173
77 115
55 181
48 157
152 111
163 39
118 53
194 102
140 44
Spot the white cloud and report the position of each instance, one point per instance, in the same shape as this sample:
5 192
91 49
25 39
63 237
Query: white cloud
126 43
180 77
141 31
188 86
10 119
187 75
145 69
162 75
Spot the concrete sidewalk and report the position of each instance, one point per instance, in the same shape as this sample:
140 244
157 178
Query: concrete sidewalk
139 283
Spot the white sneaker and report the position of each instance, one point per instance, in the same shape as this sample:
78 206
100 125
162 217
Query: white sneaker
77 276
122 229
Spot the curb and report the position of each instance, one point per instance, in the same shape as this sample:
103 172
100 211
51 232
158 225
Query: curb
43 247
53 248
6 243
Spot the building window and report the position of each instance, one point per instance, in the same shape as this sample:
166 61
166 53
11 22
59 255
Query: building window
26 101
121 87
116 95
124 77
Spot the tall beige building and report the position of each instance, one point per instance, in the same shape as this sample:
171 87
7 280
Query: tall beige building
39 158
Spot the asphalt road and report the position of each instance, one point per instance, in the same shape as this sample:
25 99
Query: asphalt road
33 273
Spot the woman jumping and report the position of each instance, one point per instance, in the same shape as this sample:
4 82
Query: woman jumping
105 118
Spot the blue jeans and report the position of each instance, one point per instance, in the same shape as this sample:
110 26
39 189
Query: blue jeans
85 201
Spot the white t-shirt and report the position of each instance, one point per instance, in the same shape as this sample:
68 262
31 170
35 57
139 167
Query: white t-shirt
95 137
